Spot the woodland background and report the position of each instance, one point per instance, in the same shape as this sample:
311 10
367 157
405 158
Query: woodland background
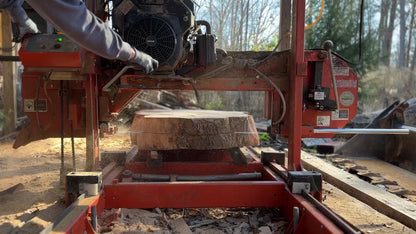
386 67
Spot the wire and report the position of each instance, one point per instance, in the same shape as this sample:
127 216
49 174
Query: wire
9 49
319 16
273 51
45 83
284 106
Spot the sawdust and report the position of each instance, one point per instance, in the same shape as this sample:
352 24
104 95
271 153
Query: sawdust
36 166
359 214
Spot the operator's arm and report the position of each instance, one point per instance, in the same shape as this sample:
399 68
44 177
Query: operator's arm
74 19
18 15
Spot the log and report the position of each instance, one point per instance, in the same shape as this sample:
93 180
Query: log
192 129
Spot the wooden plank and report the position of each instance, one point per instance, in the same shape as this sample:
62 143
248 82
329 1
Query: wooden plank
389 204
403 177
9 82
77 211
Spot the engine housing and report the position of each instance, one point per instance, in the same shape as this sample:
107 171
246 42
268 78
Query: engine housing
159 28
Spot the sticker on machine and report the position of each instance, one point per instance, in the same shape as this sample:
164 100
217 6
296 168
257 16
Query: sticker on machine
347 83
347 98
341 71
125 6
342 114
323 120
33 105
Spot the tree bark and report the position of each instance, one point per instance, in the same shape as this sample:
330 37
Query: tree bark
386 49
410 34
402 50
285 20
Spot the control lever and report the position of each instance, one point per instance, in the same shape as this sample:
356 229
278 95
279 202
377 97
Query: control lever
328 46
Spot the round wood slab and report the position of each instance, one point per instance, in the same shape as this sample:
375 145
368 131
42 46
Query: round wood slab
192 129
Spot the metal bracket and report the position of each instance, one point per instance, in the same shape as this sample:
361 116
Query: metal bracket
308 181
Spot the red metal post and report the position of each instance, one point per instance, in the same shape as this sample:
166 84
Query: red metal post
298 70
92 137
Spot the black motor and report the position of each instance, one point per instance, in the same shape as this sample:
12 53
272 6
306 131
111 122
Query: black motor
162 28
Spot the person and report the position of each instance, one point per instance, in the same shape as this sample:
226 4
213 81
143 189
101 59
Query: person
80 25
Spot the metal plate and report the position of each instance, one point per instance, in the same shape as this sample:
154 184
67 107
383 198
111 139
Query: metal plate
56 43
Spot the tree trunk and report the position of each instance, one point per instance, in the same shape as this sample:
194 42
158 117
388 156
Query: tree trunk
402 50
386 50
410 34
285 20
385 5
411 74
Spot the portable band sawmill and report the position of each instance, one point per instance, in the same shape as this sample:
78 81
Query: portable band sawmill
69 92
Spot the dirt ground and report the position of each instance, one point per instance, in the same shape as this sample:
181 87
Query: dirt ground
39 199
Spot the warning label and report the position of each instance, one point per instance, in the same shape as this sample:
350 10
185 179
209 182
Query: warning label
33 105
323 120
347 83
341 114
341 71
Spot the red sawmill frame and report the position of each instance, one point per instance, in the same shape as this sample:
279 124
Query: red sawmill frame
270 190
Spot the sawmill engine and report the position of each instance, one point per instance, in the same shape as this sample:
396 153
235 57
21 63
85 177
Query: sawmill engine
166 30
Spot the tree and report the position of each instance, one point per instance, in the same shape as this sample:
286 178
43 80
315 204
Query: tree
402 53
241 24
386 30
340 23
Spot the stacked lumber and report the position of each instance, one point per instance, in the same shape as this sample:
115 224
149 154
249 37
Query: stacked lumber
192 129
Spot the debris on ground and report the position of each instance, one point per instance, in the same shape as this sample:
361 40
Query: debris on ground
374 178
204 220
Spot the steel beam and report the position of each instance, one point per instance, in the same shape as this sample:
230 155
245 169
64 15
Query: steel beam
92 136
297 72
195 194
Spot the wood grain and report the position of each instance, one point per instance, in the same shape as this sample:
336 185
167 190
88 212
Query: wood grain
192 129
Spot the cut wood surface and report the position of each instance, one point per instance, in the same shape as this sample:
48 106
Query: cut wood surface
379 199
192 129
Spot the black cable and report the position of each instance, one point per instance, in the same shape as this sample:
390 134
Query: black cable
62 127
74 168
361 31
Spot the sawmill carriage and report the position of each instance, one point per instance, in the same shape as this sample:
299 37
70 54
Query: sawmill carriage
69 92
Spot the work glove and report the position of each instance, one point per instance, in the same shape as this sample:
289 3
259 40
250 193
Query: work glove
27 27
144 60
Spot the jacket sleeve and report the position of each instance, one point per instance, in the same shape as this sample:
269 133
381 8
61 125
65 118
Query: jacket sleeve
74 19
15 10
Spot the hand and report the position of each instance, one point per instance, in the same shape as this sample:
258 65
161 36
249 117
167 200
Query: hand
144 60
27 27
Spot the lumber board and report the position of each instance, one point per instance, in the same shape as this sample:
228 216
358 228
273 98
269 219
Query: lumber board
9 81
192 129
389 204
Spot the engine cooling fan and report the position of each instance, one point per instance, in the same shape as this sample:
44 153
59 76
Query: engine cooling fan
153 36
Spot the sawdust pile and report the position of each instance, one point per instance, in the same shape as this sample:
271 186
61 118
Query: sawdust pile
207 220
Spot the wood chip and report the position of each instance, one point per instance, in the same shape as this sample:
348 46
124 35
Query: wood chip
180 226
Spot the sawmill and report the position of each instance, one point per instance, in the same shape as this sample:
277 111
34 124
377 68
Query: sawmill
194 159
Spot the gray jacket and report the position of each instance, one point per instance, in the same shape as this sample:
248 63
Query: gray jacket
74 19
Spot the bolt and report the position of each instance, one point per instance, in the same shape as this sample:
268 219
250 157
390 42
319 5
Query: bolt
322 227
321 55
328 45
